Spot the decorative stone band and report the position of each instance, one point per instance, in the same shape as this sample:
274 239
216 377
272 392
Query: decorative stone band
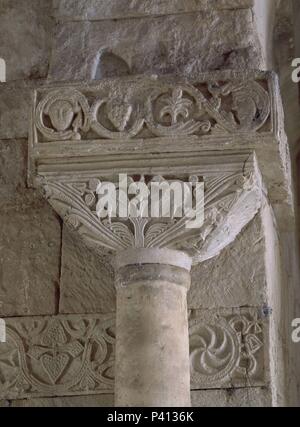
131 275
141 122
153 256
69 355
151 107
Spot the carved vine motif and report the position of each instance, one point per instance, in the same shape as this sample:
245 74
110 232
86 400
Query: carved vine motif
67 355
149 108
225 198
59 355
227 351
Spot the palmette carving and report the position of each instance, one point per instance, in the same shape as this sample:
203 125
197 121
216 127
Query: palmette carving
73 354
150 108
230 201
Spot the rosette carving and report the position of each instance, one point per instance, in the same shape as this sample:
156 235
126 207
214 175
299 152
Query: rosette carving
214 353
226 349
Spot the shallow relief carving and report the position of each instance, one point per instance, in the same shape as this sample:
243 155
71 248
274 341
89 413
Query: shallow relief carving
79 127
129 108
72 354
227 348
230 201
61 355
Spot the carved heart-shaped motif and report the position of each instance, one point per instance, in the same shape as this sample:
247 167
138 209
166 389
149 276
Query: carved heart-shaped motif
119 114
54 365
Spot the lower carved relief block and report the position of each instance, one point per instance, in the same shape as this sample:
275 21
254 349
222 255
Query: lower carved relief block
227 348
74 354
55 356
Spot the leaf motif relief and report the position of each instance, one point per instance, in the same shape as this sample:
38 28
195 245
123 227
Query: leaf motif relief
175 106
54 365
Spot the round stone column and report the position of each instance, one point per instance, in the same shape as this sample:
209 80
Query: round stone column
152 340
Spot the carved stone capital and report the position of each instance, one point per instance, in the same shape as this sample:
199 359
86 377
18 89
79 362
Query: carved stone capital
163 129
230 201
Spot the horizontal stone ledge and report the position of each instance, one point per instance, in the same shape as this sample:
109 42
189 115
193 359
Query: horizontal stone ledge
97 10
69 355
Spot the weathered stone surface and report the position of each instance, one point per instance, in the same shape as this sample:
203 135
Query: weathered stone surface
100 400
116 9
87 282
15 196
236 277
15 98
264 17
170 44
26 38
13 164
248 397
29 261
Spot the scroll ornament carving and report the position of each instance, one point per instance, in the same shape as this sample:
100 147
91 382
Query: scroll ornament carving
150 108
230 201
57 356
70 354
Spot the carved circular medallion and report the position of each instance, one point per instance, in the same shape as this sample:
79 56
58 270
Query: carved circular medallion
214 352
62 114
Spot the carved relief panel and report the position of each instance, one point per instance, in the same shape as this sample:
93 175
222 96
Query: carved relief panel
72 354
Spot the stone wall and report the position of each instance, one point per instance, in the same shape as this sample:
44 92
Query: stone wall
45 270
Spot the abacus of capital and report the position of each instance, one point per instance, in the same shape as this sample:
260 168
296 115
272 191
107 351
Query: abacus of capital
223 128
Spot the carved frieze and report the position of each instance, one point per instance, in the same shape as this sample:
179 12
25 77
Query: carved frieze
149 108
73 354
140 122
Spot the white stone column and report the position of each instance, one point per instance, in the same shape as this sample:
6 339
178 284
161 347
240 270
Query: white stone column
152 342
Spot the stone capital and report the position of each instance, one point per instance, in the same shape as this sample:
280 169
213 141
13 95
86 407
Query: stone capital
164 129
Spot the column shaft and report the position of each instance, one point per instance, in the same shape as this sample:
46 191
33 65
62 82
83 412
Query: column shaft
152 347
